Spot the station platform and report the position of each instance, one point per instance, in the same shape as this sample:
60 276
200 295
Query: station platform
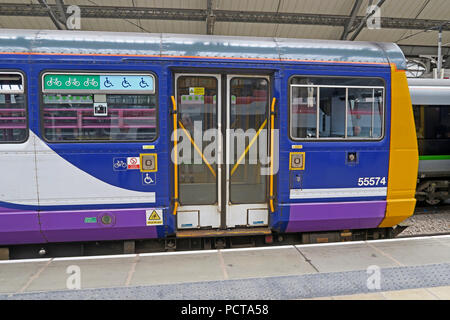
406 268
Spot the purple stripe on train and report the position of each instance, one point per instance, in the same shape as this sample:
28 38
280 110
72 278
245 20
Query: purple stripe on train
324 216
62 226
21 227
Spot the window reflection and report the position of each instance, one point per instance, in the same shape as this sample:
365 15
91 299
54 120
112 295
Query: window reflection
336 108
125 117
13 119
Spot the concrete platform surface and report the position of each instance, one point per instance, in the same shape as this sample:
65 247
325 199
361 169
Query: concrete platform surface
436 293
415 268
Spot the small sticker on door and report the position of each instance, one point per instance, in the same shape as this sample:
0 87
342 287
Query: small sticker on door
198 91
120 164
148 179
133 163
154 217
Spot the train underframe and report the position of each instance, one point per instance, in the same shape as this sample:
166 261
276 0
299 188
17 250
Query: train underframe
91 248
433 191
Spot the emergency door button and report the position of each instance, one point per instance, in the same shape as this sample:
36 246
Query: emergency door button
297 161
149 162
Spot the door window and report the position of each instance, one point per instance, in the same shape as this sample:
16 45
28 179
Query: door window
197 125
248 139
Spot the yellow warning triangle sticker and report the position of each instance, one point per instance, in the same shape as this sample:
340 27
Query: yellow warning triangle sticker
154 216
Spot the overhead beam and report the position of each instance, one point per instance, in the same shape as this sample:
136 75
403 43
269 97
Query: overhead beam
351 19
52 13
416 51
111 12
210 17
364 20
61 11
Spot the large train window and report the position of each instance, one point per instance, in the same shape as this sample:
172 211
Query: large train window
98 107
336 108
13 114
433 129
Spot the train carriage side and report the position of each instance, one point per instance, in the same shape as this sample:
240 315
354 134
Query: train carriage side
350 152
431 106
83 155
88 156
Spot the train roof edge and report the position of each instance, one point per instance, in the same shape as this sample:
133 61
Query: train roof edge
184 45
419 82
429 92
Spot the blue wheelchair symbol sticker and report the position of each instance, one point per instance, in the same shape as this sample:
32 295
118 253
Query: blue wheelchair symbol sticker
125 83
148 179
120 164
143 83
107 83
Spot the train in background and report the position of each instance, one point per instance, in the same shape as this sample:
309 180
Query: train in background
431 105
86 139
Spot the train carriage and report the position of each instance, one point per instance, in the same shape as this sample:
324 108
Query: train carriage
431 107
140 136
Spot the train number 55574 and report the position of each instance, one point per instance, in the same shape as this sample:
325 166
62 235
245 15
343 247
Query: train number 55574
371 181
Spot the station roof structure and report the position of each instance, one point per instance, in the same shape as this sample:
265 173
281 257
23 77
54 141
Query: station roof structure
412 24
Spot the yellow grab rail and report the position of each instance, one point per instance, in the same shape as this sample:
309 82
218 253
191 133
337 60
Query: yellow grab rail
197 148
272 116
175 160
248 147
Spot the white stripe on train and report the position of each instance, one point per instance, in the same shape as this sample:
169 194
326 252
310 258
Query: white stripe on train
337 193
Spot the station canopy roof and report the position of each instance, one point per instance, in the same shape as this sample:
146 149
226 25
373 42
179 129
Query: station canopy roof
412 24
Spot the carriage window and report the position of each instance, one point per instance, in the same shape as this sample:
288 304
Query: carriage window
13 117
332 112
365 113
303 112
432 121
336 108
433 129
99 107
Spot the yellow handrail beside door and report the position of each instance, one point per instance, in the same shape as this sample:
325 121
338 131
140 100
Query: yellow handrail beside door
175 160
272 117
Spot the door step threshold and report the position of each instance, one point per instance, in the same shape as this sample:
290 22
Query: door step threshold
219 232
